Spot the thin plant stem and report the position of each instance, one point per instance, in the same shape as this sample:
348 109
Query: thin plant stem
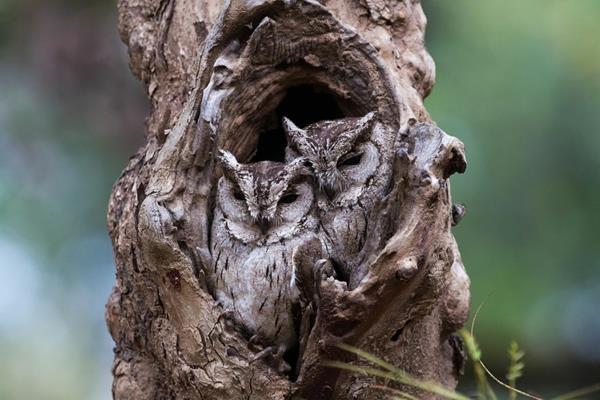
579 392
425 386
396 392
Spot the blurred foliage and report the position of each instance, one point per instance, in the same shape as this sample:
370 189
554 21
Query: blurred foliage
70 116
518 82
388 377
370 365
516 366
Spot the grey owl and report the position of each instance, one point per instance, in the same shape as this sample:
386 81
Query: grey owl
351 159
263 211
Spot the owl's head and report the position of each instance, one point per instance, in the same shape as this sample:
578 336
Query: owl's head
267 197
339 151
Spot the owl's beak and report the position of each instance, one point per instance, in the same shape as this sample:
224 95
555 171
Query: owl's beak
330 192
264 224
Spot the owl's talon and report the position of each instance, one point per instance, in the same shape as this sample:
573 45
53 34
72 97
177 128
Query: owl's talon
254 344
254 339
261 355
227 316
283 367
278 362
324 269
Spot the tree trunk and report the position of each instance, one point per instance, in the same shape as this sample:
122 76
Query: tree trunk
220 75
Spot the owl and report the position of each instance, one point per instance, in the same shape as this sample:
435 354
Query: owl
351 161
263 211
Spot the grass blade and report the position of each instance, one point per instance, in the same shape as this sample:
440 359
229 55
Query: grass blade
579 392
398 393
400 378
498 381
474 352
370 357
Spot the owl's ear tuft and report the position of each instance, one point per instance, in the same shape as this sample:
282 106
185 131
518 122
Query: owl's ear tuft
361 129
300 166
289 127
229 163
293 132
296 136
365 124
368 120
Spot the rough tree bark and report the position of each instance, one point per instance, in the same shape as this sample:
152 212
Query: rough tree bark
218 74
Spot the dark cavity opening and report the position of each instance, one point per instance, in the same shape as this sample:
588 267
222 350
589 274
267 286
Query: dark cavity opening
304 105
397 334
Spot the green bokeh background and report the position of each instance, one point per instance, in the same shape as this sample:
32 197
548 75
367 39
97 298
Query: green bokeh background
518 81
